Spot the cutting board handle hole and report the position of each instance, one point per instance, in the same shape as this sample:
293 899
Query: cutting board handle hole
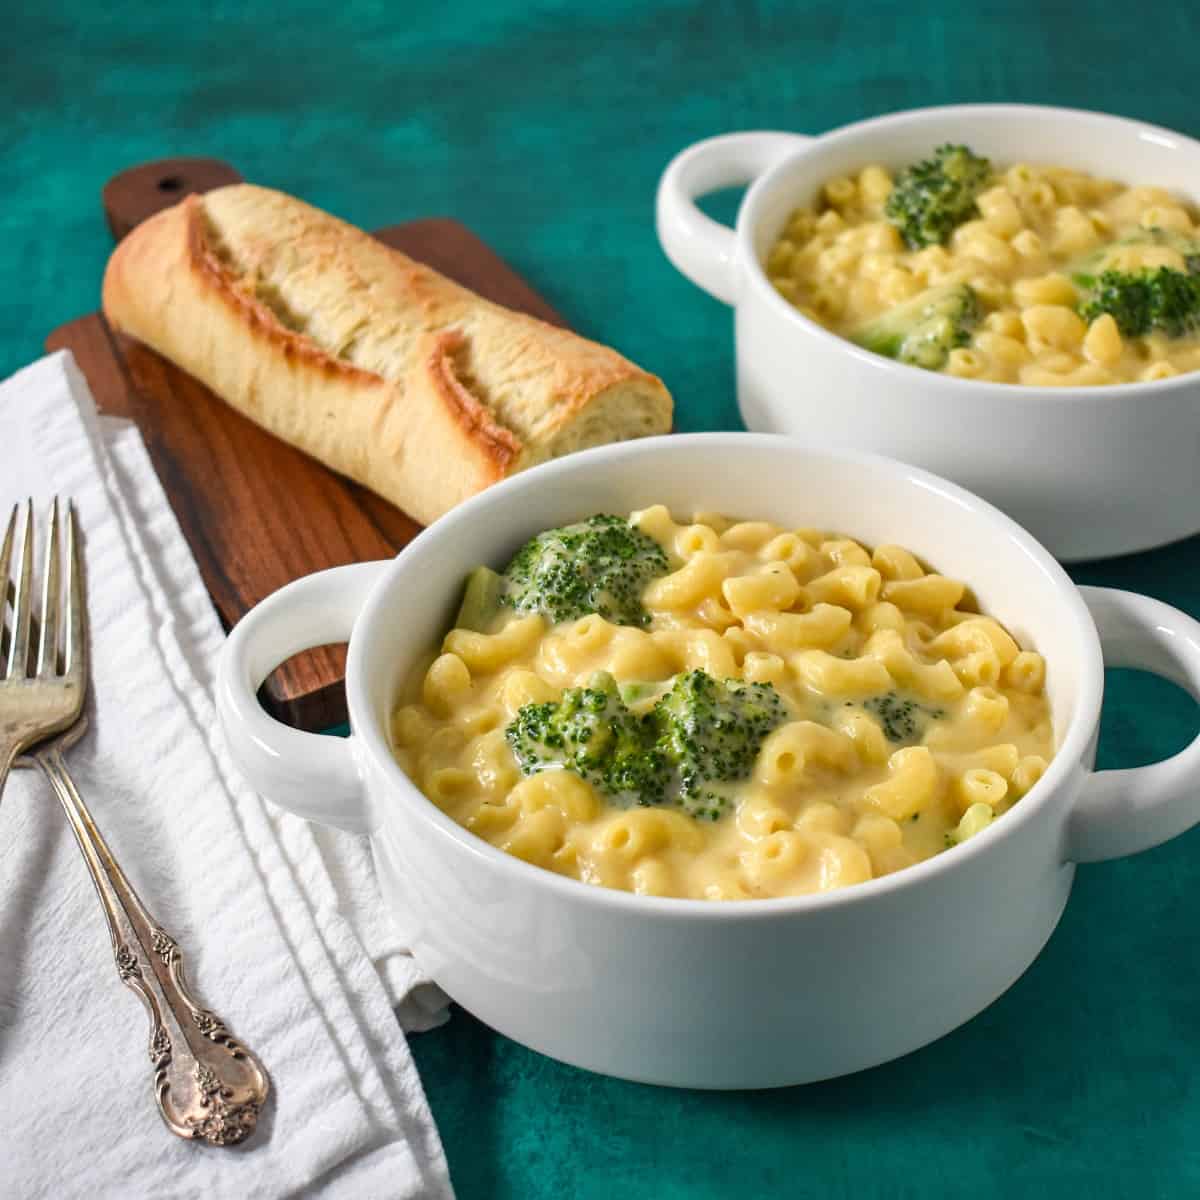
170 183
306 690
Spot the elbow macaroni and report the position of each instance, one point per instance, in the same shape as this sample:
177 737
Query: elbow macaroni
1035 225
836 795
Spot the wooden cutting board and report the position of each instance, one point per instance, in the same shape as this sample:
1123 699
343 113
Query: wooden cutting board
256 512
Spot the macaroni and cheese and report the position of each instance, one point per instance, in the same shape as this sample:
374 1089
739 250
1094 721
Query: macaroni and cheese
786 712
1046 276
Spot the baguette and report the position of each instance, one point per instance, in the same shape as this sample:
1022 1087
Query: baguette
372 363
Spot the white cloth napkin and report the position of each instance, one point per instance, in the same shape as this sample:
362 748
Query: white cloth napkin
282 929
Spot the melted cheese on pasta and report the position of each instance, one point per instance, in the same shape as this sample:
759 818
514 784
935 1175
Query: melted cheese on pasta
831 800
846 264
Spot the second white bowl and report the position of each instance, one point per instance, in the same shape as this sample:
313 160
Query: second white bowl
1090 471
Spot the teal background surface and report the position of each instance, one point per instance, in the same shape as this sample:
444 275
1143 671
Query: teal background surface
544 127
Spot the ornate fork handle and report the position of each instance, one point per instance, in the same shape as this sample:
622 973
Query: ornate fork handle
207 1084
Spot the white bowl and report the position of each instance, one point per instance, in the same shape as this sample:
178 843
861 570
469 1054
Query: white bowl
1091 471
752 993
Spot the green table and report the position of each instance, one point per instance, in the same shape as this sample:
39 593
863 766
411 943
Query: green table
544 127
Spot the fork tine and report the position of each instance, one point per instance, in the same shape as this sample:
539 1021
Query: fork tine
6 554
5 558
75 655
18 653
47 665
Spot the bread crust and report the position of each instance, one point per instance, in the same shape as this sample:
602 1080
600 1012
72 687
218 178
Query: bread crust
375 364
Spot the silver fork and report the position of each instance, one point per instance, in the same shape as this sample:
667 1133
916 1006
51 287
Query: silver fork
34 706
207 1084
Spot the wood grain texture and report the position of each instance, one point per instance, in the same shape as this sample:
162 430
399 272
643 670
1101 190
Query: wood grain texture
256 512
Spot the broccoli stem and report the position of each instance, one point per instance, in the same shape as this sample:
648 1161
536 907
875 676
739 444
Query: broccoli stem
922 331
481 600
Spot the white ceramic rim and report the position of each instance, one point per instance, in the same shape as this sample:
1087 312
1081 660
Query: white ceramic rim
1071 748
756 193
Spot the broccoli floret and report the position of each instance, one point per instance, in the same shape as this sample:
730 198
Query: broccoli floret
902 718
1163 299
922 331
591 732
599 566
931 198
711 731
1140 302
702 734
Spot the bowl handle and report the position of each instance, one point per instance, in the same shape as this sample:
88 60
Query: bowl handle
701 248
316 777
1123 812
